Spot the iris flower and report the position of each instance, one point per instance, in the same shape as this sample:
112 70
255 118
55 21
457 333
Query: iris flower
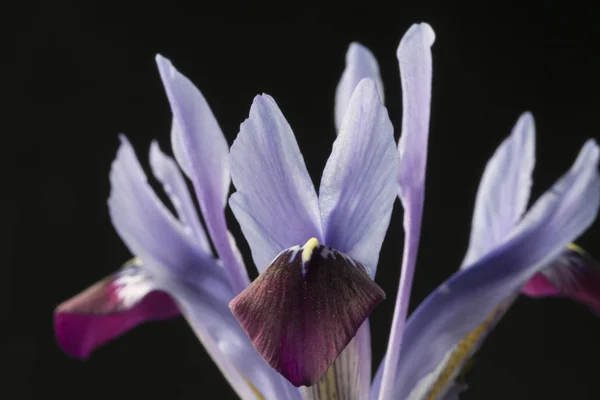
303 321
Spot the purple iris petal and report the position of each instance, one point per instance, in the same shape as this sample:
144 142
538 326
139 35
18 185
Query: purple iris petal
193 278
277 208
573 274
360 63
463 302
303 309
275 201
359 185
414 57
201 150
504 190
110 308
167 172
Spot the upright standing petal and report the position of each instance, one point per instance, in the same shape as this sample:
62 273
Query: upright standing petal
202 151
414 57
467 301
360 63
167 172
110 308
504 190
275 200
359 183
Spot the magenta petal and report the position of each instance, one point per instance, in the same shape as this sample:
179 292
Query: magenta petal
103 312
573 274
304 309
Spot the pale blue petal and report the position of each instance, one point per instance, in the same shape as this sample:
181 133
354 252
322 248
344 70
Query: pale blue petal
359 183
461 304
187 273
166 171
360 63
201 150
275 202
414 57
504 190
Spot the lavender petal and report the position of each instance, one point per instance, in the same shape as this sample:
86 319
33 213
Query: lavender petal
504 190
414 57
469 297
359 183
275 202
167 172
188 274
360 63
201 150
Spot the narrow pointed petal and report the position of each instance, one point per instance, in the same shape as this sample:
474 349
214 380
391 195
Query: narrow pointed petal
467 301
504 190
360 63
166 171
574 274
304 309
202 151
110 308
188 274
275 202
414 57
349 377
139 216
359 184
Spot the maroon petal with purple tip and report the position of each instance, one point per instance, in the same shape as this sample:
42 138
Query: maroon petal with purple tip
573 274
304 309
108 309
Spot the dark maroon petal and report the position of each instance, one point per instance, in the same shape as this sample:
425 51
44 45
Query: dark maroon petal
573 274
108 309
303 310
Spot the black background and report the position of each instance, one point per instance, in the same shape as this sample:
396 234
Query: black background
75 74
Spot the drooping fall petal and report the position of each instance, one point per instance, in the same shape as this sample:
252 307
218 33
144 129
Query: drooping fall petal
304 308
110 308
573 274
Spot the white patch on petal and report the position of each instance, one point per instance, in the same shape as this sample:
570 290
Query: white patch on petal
132 284
327 252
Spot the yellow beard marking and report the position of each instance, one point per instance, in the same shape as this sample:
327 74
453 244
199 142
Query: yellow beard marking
577 249
308 249
133 261
258 395
462 351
